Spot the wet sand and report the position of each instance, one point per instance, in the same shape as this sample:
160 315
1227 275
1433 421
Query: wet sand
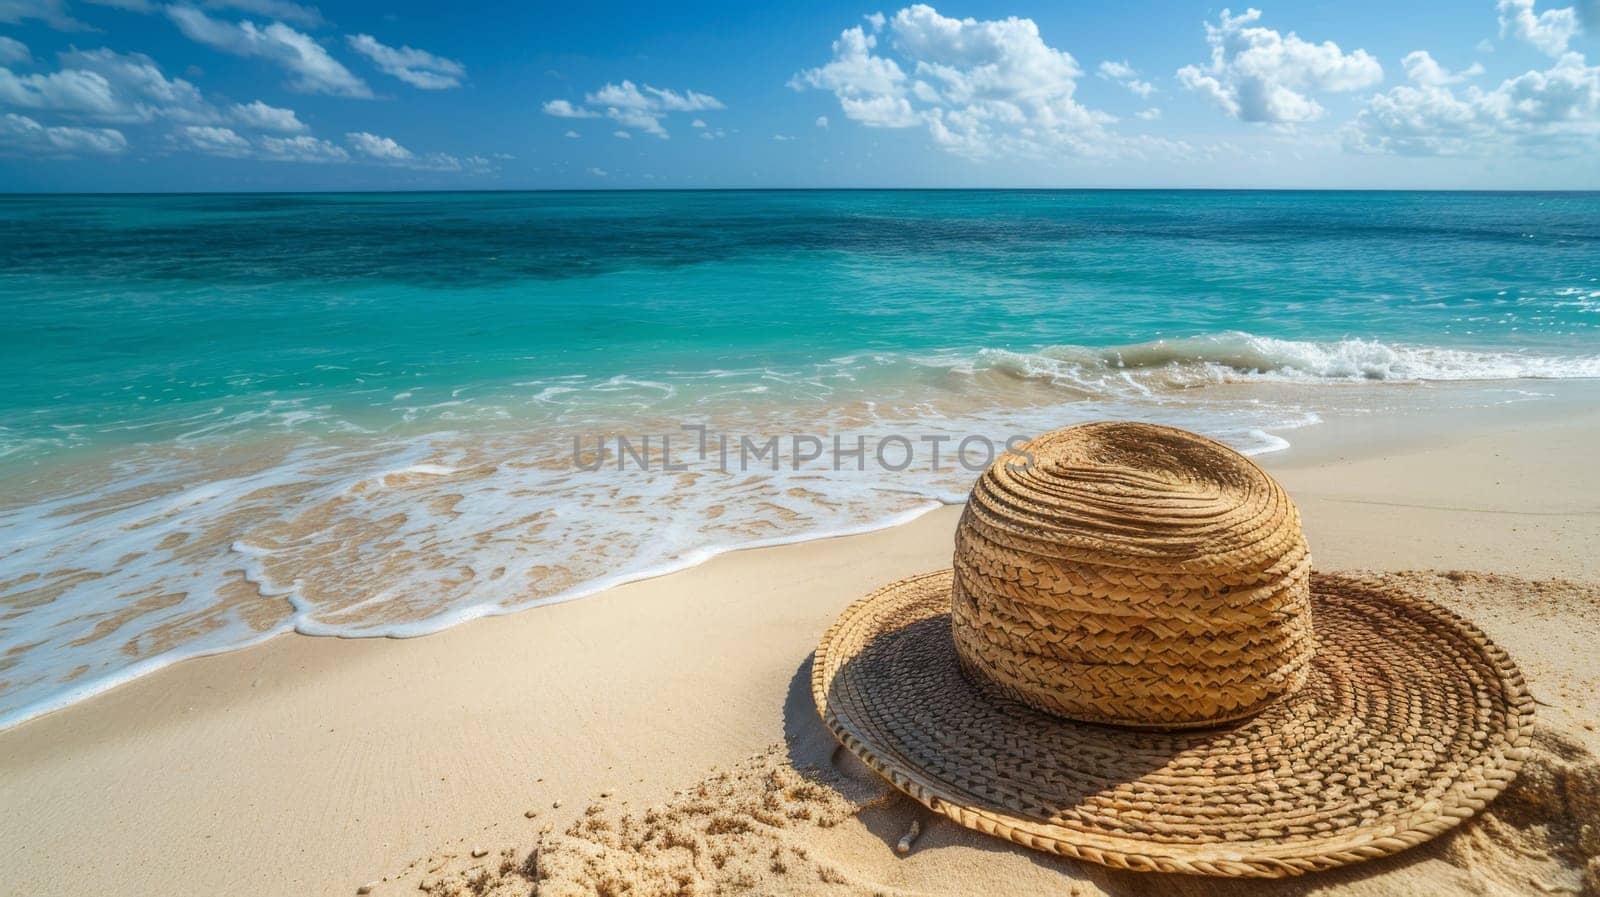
311 765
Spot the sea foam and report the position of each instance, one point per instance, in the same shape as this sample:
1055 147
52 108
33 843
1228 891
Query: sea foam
215 541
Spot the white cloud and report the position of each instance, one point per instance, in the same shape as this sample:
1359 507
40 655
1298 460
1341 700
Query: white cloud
363 146
374 147
139 6
1259 75
19 133
1126 75
572 135
304 148
448 163
69 90
49 12
1551 112
140 88
1150 114
641 109
564 109
870 89
312 68
419 68
14 52
267 118
280 10
782 138
213 141
387 151
104 85
822 121
622 135
1549 31
698 123
598 172
627 96
981 88
1422 69
1116 71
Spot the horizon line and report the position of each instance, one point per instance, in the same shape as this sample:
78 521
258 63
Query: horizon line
8 194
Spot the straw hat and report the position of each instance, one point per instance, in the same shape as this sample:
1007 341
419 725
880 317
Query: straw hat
1132 663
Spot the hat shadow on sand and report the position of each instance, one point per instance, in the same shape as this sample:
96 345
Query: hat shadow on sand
887 814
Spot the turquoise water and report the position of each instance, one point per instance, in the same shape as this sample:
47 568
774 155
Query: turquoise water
226 416
127 317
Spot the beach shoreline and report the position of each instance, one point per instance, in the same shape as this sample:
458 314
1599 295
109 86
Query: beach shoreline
312 765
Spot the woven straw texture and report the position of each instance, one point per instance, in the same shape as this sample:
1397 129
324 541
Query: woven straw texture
1409 720
1133 574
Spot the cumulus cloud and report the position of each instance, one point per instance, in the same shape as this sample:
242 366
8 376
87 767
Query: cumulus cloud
387 151
303 148
21 134
622 135
130 88
14 52
980 87
104 85
69 90
213 141
1422 69
871 89
822 121
312 69
565 109
419 68
267 118
1126 75
1549 31
52 13
1555 111
1259 75
139 85
363 147
139 6
634 107
572 135
280 10
375 147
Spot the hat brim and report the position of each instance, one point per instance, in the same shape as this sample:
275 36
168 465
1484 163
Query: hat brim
1411 721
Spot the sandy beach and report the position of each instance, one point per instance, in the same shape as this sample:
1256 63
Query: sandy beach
728 450
316 766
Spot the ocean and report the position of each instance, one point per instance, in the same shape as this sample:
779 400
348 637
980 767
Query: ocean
225 417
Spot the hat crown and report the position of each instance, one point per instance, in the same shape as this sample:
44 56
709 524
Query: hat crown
1132 574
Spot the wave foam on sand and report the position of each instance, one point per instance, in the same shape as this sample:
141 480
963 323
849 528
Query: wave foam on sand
214 543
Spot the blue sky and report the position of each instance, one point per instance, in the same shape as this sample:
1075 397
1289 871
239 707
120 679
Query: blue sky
274 94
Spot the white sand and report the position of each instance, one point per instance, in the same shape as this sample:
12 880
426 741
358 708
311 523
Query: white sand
309 766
